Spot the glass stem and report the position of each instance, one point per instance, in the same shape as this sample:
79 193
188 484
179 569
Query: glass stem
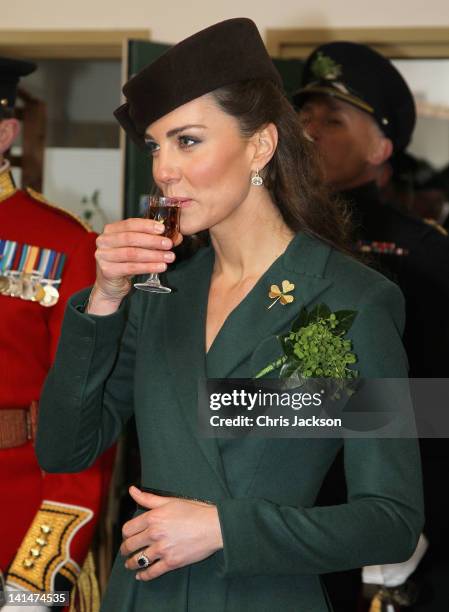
154 279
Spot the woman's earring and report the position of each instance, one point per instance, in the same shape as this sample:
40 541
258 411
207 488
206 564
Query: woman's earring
257 180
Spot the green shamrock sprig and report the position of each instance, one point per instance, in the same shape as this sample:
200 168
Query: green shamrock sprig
315 346
324 67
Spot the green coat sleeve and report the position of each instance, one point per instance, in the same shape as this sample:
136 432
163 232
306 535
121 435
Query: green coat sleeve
383 516
87 397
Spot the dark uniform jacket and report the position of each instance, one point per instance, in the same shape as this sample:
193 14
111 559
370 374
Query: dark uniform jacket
276 541
423 276
422 273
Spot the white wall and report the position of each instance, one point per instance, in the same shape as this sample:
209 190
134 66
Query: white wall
431 141
430 83
71 174
77 90
428 79
171 21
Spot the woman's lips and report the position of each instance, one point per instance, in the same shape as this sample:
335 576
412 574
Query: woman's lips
186 203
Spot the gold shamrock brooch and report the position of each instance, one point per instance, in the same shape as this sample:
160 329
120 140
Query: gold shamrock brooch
281 296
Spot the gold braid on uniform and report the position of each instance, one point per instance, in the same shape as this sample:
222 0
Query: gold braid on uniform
40 198
436 225
45 550
404 595
85 596
376 604
7 187
70 571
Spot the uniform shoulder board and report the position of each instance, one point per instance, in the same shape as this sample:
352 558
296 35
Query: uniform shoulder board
436 226
40 198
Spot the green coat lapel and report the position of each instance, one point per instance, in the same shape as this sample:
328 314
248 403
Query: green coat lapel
184 322
251 328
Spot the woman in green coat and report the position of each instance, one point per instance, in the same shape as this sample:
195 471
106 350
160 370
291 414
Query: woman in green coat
225 141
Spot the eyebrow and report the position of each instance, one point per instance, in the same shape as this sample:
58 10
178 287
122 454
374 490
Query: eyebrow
175 131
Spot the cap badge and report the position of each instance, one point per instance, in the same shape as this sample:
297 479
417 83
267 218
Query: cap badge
324 67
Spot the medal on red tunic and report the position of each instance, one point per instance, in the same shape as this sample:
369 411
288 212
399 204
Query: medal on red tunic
30 272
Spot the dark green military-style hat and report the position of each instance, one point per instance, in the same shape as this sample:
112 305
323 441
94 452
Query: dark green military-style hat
10 72
225 53
362 77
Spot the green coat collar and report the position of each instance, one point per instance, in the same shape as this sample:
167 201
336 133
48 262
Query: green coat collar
248 334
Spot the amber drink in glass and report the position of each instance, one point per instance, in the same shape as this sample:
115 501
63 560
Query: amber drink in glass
166 211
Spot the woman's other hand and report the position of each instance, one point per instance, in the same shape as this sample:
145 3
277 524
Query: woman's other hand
175 532
124 249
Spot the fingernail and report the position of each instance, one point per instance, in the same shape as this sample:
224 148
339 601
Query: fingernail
161 267
137 577
169 256
166 243
159 227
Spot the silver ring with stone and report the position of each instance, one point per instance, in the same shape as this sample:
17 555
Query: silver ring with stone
143 561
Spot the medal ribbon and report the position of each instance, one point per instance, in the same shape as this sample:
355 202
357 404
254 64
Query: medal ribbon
28 258
7 254
383 248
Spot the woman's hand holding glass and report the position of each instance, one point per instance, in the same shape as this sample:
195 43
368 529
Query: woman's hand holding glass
125 249
174 533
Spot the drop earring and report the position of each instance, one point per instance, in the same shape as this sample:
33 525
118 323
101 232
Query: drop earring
257 180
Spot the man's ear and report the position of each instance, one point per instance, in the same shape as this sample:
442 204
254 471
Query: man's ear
381 150
9 130
265 142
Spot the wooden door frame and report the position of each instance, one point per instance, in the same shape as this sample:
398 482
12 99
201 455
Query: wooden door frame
67 44
399 43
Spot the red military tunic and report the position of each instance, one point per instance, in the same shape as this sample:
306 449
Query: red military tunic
46 520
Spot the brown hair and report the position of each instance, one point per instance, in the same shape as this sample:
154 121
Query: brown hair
293 176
